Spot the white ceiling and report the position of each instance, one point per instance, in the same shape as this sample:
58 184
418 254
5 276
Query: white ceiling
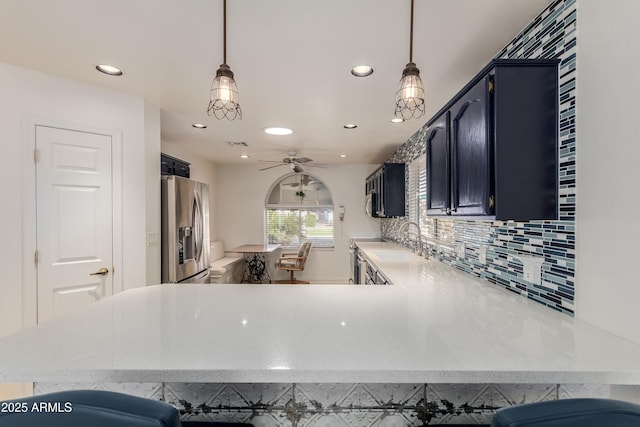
291 60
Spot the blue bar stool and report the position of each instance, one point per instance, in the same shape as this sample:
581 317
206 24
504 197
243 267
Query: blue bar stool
570 413
95 408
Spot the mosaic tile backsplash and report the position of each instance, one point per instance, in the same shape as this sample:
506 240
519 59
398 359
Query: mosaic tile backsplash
551 35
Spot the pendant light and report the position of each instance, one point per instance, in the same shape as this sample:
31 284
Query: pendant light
410 93
224 97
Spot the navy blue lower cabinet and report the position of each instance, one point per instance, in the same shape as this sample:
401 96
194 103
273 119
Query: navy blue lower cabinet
498 158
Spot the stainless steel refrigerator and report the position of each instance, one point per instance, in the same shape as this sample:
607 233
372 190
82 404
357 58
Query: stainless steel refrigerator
185 230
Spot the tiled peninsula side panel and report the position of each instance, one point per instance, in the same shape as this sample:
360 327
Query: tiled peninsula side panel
342 405
551 35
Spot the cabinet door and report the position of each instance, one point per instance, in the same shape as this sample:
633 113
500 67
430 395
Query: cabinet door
379 195
394 189
438 177
470 152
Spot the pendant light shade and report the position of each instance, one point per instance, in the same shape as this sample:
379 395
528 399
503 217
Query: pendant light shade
410 92
224 99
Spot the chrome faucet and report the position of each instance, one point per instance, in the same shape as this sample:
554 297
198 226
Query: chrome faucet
406 225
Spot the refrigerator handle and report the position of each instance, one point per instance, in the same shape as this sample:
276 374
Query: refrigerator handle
197 224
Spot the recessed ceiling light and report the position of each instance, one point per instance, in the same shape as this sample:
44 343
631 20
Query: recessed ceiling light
278 131
109 69
350 126
343 156
362 70
397 120
244 156
199 126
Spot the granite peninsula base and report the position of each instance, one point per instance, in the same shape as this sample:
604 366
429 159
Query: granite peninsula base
353 405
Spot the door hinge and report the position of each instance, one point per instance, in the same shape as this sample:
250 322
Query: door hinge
35 257
35 155
491 86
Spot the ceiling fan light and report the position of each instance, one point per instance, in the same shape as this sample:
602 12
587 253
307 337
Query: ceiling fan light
224 97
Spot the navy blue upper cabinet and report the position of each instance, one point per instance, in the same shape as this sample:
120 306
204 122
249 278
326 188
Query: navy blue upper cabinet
438 176
470 152
501 161
172 166
386 189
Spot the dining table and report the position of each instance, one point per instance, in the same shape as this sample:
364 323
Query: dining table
256 257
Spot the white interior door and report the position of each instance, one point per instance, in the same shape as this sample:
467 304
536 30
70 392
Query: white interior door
74 219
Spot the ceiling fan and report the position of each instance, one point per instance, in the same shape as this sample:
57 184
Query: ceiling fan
295 163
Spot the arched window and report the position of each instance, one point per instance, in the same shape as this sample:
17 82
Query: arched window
299 207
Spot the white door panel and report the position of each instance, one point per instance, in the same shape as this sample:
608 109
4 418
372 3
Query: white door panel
74 219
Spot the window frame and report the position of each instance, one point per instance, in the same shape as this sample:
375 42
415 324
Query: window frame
417 196
299 208
437 230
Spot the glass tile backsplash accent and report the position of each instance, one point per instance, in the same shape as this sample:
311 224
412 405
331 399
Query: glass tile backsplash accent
551 35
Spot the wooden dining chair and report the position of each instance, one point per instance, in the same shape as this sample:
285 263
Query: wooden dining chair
293 262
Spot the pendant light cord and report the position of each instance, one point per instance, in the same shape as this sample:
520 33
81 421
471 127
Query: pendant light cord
410 35
224 31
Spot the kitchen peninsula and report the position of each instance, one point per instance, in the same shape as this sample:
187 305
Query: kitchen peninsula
435 324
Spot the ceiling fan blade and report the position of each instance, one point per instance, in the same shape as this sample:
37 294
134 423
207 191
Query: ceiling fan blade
302 160
271 167
270 161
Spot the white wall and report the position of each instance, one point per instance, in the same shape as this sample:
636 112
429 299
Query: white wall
201 170
152 194
26 95
608 200
241 192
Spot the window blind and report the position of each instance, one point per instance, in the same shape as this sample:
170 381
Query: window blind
290 226
418 195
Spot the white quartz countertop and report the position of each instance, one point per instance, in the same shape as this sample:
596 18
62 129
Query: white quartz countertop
434 325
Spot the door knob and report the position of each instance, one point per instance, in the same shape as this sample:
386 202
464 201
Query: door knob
102 272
